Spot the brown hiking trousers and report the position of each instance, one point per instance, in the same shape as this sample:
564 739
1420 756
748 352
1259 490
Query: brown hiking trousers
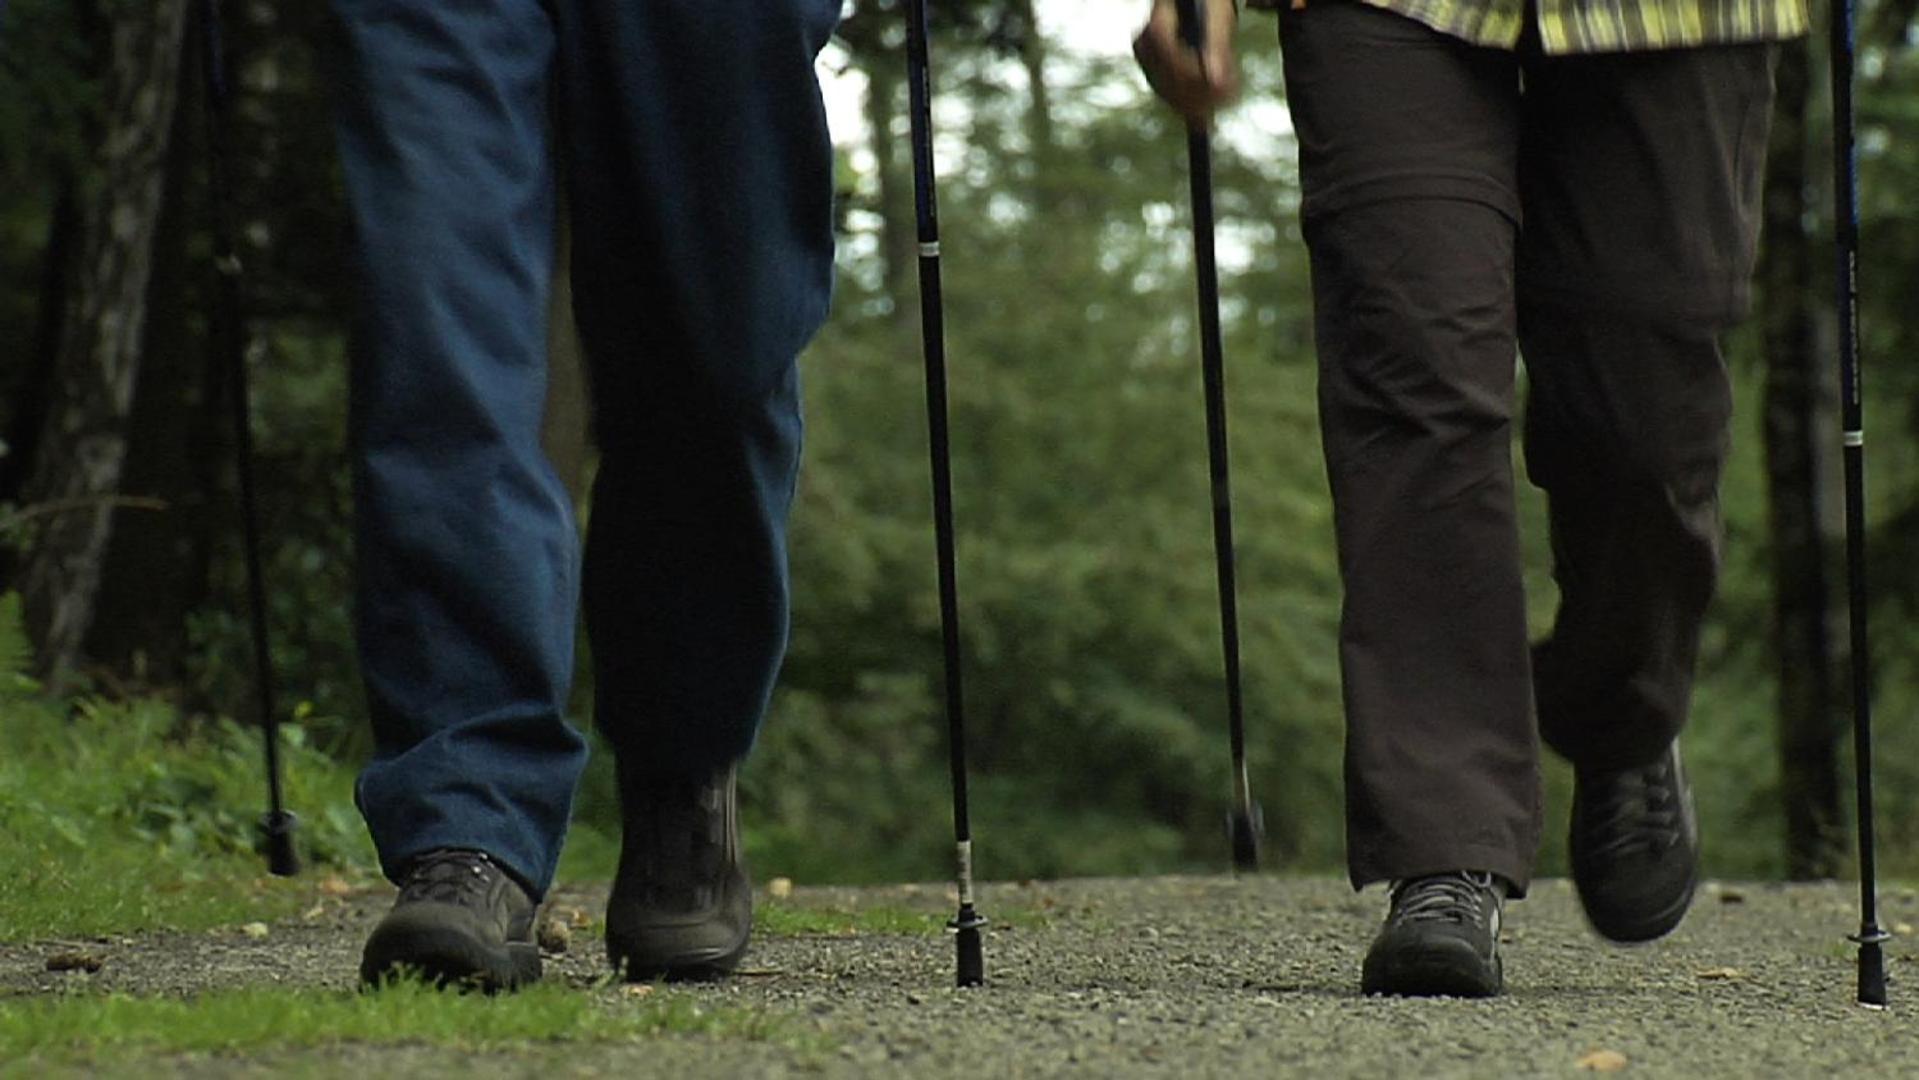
1463 206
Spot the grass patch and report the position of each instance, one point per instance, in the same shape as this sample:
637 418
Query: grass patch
791 920
85 1030
118 817
115 820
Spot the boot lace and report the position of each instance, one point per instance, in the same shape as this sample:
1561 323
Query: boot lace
1636 811
450 876
1457 897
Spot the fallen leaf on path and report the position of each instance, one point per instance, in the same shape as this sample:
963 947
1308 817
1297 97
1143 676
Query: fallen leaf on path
637 990
314 912
335 885
1602 1061
76 961
555 936
255 930
780 888
1723 974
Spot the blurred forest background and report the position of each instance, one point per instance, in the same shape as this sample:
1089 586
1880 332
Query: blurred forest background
1091 643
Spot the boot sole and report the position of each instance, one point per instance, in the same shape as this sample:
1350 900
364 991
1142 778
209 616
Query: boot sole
1643 928
1431 975
633 965
447 957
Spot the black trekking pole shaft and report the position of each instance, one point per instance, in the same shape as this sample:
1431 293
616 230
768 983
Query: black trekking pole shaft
1871 937
229 337
967 922
1199 150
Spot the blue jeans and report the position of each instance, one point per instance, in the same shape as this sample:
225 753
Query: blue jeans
693 144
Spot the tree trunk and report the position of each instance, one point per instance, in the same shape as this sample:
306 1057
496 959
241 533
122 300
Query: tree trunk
1798 425
874 39
899 228
157 563
83 448
1039 102
29 415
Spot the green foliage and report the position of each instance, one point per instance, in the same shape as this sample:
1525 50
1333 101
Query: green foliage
117 1029
126 816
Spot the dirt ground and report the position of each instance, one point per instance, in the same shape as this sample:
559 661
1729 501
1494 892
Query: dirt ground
1198 977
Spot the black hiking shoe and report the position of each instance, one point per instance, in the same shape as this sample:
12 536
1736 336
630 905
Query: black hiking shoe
1635 848
682 906
460 920
1441 939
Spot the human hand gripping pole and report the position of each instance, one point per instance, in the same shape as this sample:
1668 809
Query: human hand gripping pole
1197 76
966 925
277 826
1246 821
1871 937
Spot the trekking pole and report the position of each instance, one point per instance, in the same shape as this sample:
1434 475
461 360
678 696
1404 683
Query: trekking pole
1871 938
967 923
277 825
1246 821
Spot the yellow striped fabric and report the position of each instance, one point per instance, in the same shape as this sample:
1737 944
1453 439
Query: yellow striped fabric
1595 26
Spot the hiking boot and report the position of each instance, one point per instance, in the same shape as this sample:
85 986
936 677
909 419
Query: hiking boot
682 906
460 919
1441 938
1635 848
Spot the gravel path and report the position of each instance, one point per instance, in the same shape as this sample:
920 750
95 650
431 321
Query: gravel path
1199 977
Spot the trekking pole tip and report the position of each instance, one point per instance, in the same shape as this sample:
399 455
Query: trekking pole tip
972 955
278 827
1872 969
1245 827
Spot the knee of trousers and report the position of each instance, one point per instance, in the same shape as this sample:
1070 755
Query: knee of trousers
1406 401
721 414
1636 411
1414 323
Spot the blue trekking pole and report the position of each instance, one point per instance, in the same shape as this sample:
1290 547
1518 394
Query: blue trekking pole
1871 938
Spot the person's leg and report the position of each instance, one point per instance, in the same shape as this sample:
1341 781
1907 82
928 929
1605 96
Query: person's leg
466 546
1410 215
700 175
1641 178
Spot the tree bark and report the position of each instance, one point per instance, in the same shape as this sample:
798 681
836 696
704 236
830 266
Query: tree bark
1799 425
30 406
870 39
83 448
157 564
1039 98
